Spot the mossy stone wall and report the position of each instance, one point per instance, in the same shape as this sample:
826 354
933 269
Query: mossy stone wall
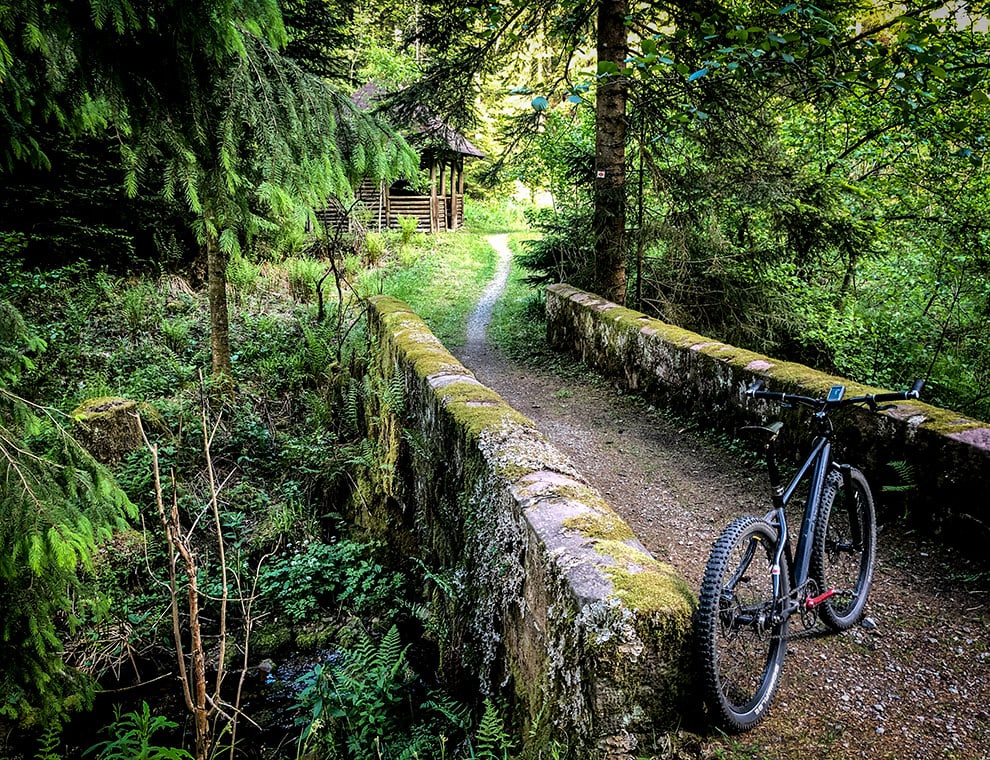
541 592
947 453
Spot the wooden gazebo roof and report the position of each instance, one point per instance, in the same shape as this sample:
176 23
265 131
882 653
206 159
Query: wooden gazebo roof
432 133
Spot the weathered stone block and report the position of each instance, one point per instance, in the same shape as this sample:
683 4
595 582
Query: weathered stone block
108 427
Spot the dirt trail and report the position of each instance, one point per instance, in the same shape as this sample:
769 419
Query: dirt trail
913 682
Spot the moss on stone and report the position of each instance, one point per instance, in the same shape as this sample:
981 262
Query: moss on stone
740 358
512 471
643 583
944 421
652 591
635 321
105 406
600 525
270 639
108 427
387 305
586 495
478 408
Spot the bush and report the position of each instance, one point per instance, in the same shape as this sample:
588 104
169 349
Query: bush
242 275
304 273
374 248
493 216
565 252
312 575
407 228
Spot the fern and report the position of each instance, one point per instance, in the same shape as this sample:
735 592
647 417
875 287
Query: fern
353 401
456 712
907 482
51 737
417 443
491 740
904 473
362 706
393 395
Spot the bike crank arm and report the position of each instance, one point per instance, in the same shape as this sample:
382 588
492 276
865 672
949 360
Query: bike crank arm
813 601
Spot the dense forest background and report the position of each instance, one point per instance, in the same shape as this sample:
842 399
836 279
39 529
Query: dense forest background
808 181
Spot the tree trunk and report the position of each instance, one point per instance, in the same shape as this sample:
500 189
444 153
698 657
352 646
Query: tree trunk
219 319
610 155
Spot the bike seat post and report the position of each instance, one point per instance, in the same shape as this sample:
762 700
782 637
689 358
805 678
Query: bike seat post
776 486
767 434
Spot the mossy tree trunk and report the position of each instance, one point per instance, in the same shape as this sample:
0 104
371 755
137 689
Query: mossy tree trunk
216 262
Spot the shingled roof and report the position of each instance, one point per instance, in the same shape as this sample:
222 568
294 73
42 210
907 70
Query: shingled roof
426 128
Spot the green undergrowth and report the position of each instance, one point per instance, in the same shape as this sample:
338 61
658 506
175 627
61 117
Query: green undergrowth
441 279
283 443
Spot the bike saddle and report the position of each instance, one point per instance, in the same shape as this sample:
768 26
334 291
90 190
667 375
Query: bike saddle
765 432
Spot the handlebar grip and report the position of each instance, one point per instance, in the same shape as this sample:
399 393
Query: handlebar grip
900 395
774 395
882 397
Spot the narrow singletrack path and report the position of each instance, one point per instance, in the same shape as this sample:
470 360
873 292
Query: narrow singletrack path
914 682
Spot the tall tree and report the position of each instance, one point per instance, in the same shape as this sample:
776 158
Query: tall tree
199 95
609 225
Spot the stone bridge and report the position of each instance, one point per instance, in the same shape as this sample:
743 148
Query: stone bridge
540 591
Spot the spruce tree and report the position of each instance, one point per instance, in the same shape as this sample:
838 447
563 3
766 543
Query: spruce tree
57 505
199 94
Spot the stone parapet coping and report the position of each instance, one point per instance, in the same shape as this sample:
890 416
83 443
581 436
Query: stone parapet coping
946 453
556 601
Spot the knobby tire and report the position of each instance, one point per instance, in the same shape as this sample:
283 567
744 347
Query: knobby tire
741 649
845 548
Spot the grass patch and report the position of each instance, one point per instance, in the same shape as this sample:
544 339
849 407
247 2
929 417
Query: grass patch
518 329
442 283
519 324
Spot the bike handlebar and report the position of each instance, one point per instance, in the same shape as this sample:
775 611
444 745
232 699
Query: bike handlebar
872 400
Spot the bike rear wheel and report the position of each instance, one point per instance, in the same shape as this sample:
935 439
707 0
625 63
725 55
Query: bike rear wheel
741 642
845 548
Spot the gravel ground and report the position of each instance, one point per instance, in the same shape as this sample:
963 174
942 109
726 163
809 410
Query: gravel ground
912 682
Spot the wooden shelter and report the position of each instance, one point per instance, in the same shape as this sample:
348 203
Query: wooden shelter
442 152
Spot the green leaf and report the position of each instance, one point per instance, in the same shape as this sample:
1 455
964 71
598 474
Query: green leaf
607 68
698 74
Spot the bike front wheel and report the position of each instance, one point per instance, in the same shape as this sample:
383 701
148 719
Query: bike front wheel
845 548
740 633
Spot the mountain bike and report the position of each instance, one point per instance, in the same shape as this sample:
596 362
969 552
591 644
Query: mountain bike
754 583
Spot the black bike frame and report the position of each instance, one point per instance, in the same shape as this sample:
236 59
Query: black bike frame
820 459
819 462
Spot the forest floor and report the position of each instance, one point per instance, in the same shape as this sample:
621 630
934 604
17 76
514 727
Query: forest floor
912 681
